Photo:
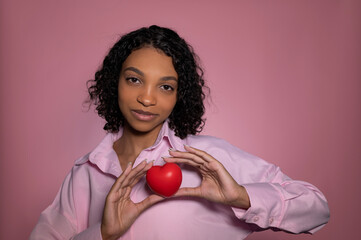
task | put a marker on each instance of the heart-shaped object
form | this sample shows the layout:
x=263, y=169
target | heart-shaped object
x=164, y=180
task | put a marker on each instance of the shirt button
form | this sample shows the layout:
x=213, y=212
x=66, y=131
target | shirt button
x=270, y=220
x=255, y=219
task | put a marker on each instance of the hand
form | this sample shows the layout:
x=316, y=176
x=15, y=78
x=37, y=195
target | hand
x=120, y=211
x=217, y=184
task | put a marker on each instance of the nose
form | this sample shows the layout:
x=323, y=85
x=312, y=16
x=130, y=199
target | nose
x=147, y=98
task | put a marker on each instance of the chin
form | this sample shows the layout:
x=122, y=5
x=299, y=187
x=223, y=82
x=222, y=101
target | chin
x=145, y=127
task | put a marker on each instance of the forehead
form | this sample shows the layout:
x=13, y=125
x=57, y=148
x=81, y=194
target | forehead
x=150, y=59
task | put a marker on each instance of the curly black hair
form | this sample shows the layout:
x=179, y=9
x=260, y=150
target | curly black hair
x=186, y=117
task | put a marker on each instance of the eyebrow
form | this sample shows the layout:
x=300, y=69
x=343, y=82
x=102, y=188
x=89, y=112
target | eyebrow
x=136, y=70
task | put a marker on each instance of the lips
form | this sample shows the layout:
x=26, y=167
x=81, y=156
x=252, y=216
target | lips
x=144, y=115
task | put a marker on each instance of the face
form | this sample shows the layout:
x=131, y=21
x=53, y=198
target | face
x=147, y=90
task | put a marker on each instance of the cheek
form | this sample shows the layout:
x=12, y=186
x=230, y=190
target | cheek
x=171, y=103
x=124, y=94
x=123, y=99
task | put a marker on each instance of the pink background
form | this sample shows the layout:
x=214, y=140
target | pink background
x=285, y=79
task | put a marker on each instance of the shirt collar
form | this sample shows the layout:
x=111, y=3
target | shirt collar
x=104, y=152
x=167, y=133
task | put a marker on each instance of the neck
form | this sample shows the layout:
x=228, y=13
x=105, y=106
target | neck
x=132, y=142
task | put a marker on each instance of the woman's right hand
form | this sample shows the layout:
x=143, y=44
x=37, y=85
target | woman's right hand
x=120, y=211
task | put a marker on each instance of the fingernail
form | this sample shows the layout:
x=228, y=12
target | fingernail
x=186, y=145
x=171, y=150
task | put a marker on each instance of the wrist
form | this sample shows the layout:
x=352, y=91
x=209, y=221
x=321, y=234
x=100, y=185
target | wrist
x=105, y=235
x=243, y=200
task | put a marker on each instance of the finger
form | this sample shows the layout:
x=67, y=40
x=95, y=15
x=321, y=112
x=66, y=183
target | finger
x=136, y=178
x=124, y=192
x=187, y=155
x=138, y=173
x=182, y=160
x=191, y=192
x=133, y=174
x=121, y=178
x=149, y=201
x=202, y=154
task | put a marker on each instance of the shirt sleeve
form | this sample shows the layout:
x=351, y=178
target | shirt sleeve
x=282, y=203
x=59, y=220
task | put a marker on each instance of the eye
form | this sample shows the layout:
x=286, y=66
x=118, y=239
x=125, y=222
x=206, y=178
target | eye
x=167, y=88
x=133, y=80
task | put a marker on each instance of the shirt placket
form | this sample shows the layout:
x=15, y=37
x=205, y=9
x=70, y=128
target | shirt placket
x=144, y=155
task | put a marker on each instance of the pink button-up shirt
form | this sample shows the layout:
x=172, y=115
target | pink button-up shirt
x=276, y=200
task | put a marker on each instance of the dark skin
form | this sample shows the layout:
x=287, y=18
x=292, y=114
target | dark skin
x=129, y=146
x=147, y=95
x=217, y=186
x=120, y=211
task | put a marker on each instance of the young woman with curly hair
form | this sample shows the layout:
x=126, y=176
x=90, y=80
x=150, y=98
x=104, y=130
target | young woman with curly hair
x=150, y=92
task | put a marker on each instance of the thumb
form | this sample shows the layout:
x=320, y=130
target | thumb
x=188, y=191
x=149, y=201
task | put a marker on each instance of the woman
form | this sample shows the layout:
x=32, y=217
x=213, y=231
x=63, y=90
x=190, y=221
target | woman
x=150, y=92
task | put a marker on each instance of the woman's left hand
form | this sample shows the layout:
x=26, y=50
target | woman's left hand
x=217, y=184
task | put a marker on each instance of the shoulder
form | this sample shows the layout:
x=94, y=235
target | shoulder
x=86, y=176
x=82, y=160
x=80, y=169
x=102, y=157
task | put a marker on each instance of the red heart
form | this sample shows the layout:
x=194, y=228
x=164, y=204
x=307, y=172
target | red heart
x=164, y=180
